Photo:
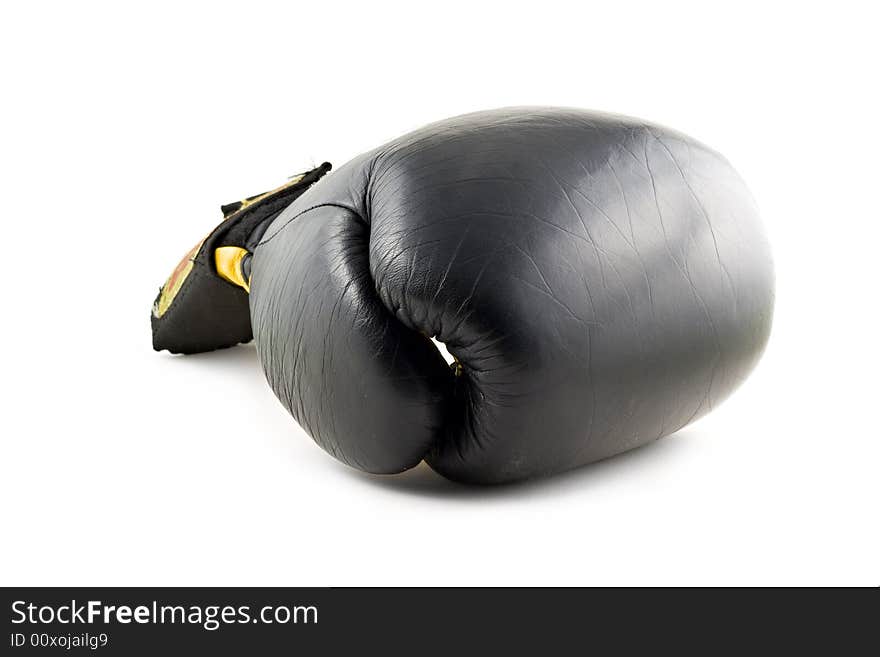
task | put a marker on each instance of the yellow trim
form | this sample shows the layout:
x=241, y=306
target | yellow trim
x=228, y=261
x=250, y=201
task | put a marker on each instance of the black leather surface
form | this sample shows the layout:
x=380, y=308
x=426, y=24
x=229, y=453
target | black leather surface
x=603, y=282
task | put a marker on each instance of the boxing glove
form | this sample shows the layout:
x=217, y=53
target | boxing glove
x=600, y=282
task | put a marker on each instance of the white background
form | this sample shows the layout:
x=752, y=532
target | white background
x=123, y=130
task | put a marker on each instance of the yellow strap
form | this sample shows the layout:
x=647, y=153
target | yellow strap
x=228, y=262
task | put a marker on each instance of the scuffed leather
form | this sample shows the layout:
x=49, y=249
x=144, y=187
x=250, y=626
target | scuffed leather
x=603, y=282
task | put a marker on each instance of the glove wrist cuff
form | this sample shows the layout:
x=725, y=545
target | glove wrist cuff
x=203, y=304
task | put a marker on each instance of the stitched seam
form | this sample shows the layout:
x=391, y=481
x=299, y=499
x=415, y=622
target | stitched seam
x=314, y=207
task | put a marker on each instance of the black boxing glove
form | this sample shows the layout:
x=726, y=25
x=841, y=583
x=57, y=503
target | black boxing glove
x=600, y=281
